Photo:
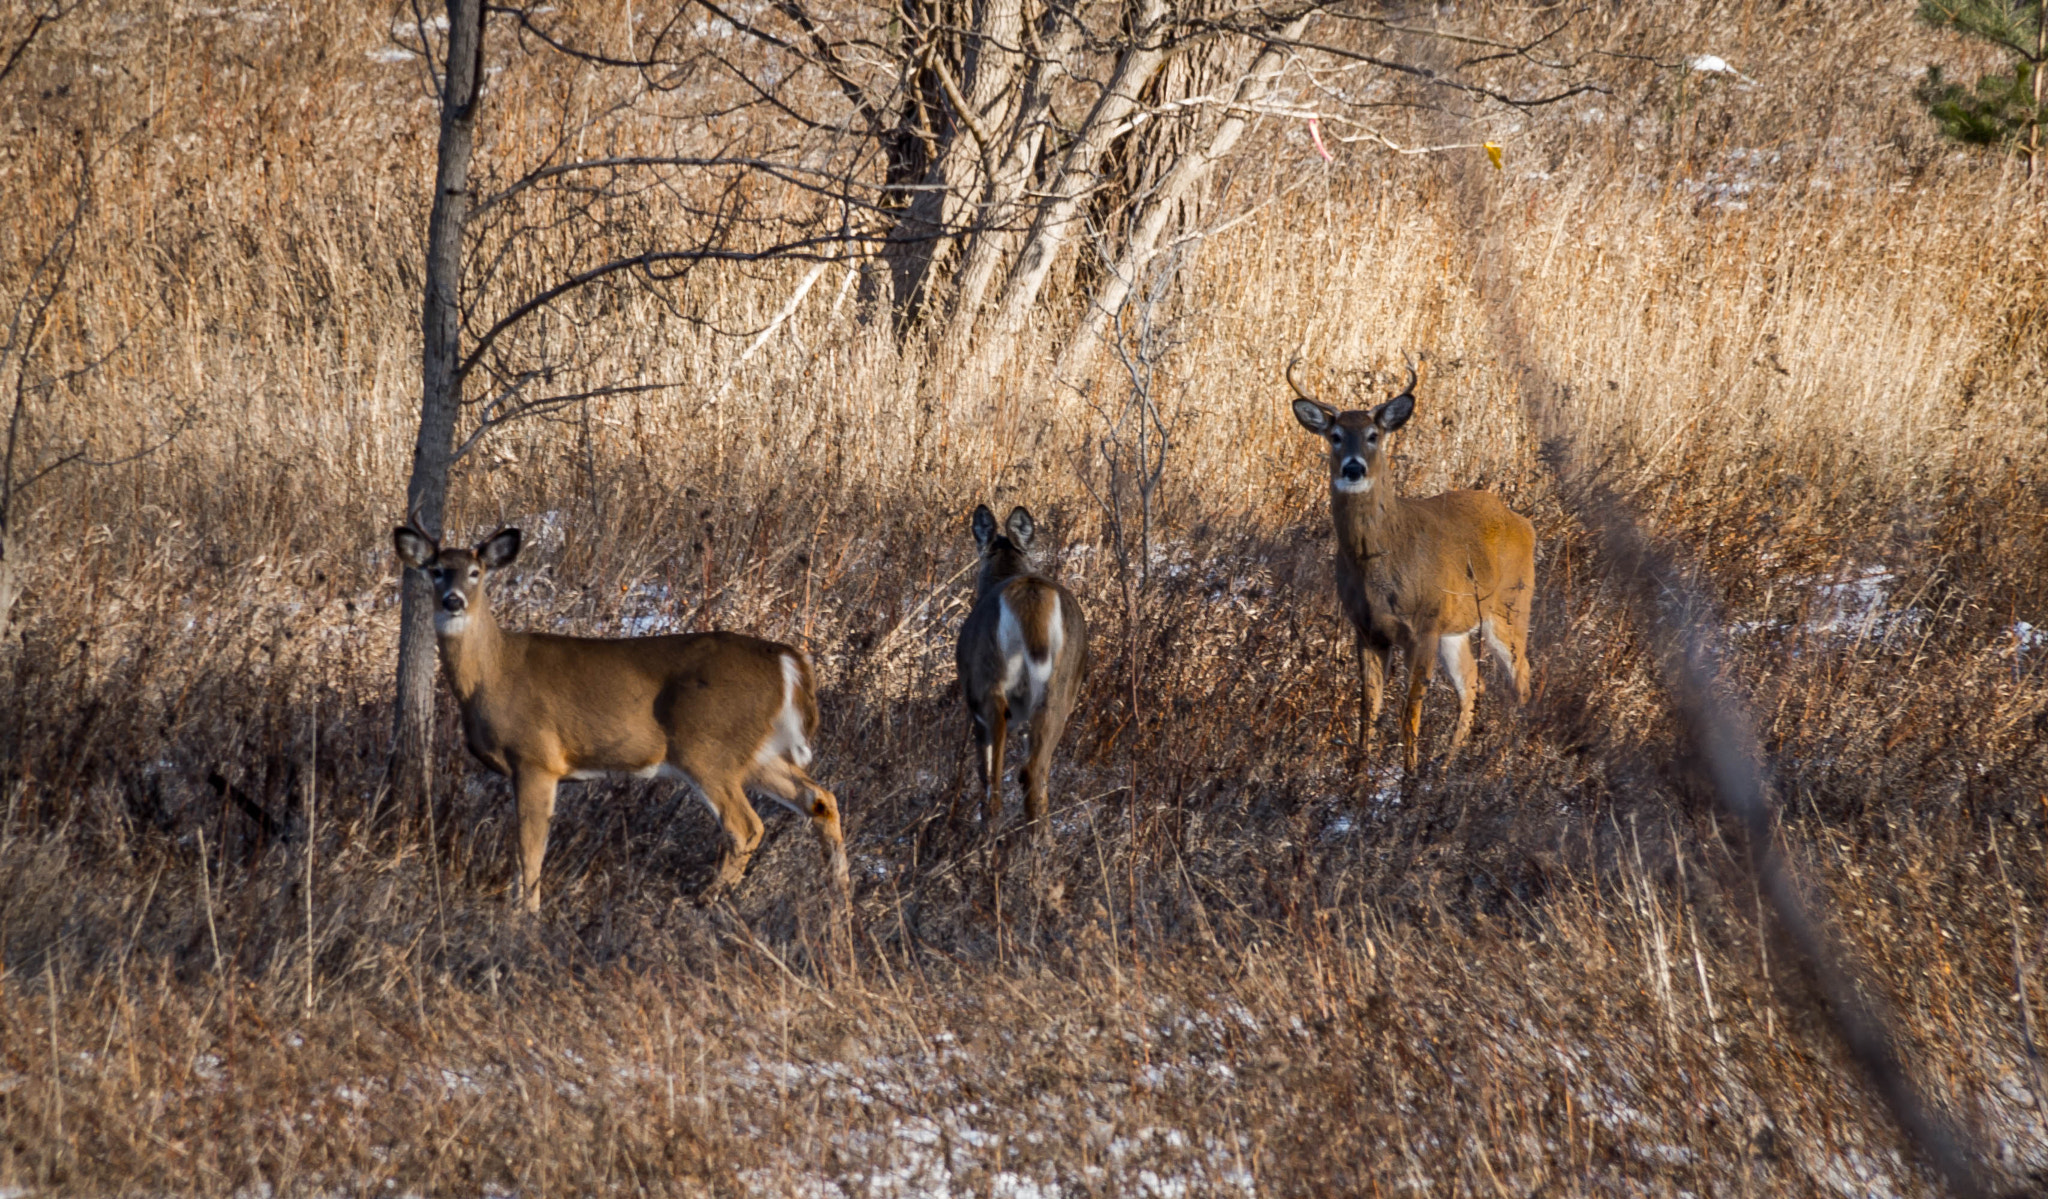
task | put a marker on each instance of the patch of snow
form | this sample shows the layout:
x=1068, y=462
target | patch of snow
x=407, y=29
x=1854, y=604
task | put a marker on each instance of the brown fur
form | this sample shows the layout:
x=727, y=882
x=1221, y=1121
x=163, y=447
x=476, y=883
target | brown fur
x=538, y=707
x=1037, y=605
x=1420, y=574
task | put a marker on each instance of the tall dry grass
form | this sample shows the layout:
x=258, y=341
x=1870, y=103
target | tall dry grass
x=1804, y=336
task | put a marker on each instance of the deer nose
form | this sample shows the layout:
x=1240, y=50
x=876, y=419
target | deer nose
x=1354, y=470
x=454, y=601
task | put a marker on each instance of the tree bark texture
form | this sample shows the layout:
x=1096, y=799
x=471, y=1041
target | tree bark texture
x=1168, y=201
x=923, y=240
x=994, y=238
x=1079, y=173
x=426, y=492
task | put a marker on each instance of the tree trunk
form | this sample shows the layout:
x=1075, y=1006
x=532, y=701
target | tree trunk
x=923, y=240
x=13, y=560
x=1166, y=201
x=1078, y=175
x=2040, y=61
x=993, y=238
x=426, y=492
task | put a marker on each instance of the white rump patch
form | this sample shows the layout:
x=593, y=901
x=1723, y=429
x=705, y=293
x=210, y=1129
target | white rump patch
x=1018, y=664
x=786, y=738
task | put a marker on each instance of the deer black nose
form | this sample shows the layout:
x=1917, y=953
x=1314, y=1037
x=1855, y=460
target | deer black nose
x=1354, y=470
x=454, y=601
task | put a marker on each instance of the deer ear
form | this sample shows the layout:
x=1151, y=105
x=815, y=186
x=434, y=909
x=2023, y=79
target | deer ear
x=499, y=549
x=1313, y=416
x=1395, y=412
x=1020, y=527
x=984, y=526
x=415, y=548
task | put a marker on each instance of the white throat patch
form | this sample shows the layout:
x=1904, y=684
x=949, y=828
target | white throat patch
x=450, y=624
x=1350, y=487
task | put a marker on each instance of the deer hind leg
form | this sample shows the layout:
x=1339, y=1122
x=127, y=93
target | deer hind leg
x=1421, y=664
x=1509, y=654
x=1463, y=669
x=535, y=790
x=1047, y=724
x=796, y=790
x=991, y=726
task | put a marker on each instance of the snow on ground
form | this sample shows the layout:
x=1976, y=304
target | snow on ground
x=1855, y=603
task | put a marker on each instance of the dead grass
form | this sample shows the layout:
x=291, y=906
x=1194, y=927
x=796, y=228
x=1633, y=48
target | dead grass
x=1806, y=338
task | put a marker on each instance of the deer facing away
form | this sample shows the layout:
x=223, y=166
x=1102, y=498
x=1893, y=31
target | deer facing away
x=1022, y=656
x=1420, y=574
x=721, y=710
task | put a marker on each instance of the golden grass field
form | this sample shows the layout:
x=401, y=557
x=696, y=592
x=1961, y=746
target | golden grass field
x=1803, y=336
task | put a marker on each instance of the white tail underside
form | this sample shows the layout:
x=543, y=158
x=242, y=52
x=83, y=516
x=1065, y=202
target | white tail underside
x=1019, y=666
x=786, y=738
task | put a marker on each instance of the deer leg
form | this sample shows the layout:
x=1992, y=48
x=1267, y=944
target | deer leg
x=1046, y=726
x=995, y=727
x=1518, y=626
x=742, y=827
x=1421, y=663
x=796, y=790
x=535, y=790
x=1463, y=669
x=1372, y=677
x=1508, y=651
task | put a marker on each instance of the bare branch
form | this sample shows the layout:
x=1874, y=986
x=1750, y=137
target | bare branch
x=554, y=403
x=787, y=172
x=802, y=250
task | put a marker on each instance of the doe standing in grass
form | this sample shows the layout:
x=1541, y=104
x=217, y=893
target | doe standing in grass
x=1420, y=574
x=1022, y=656
x=721, y=710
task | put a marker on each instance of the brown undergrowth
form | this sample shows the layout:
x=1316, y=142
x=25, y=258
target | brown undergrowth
x=1247, y=958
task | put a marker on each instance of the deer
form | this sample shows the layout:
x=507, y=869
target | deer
x=719, y=710
x=1422, y=575
x=1022, y=657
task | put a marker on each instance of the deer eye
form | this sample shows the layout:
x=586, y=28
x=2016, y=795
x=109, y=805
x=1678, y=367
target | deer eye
x=474, y=574
x=1335, y=438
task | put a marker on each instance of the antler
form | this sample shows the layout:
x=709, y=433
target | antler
x=1291, y=364
x=1408, y=388
x=412, y=519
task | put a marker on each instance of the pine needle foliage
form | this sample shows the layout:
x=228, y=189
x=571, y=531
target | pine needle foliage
x=2003, y=108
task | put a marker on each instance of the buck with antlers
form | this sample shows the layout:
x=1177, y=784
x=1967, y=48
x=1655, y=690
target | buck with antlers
x=1022, y=655
x=1420, y=574
x=721, y=710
